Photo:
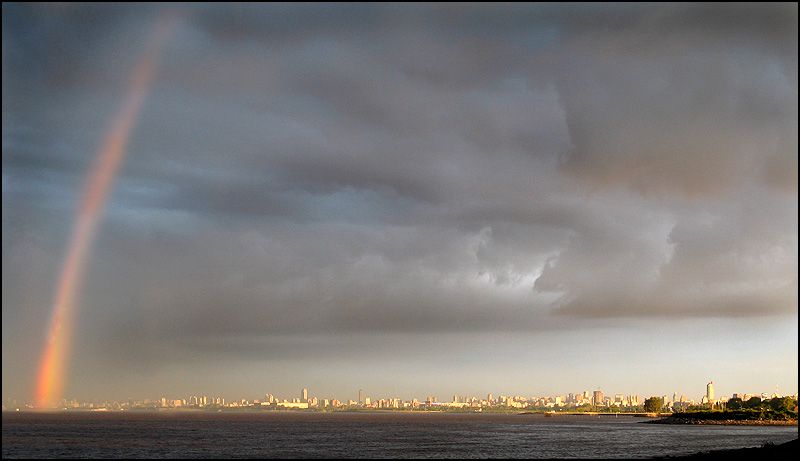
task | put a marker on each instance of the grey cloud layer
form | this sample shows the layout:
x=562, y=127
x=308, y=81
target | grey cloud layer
x=386, y=169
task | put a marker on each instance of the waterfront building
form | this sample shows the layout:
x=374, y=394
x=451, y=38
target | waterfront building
x=293, y=404
x=597, y=398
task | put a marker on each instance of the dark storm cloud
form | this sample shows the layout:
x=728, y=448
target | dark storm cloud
x=350, y=169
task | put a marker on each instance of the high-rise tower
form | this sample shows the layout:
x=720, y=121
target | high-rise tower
x=597, y=398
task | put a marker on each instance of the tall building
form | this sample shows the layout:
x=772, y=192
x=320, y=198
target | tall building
x=710, y=391
x=360, y=396
x=304, y=395
x=597, y=398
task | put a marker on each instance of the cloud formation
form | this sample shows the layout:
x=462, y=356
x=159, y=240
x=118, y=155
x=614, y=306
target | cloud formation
x=344, y=170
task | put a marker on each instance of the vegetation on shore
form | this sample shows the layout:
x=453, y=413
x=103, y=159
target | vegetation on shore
x=754, y=409
x=778, y=410
x=734, y=415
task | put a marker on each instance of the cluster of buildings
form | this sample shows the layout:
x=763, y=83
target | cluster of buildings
x=711, y=399
x=304, y=401
x=586, y=400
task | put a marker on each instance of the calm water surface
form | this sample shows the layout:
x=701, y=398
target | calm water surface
x=363, y=435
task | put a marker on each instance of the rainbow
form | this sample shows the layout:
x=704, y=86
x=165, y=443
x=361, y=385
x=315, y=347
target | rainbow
x=50, y=379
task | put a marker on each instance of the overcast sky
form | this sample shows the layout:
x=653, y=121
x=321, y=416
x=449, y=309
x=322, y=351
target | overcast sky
x=411, y=200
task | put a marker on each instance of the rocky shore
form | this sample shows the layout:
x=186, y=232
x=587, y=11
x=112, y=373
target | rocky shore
x=723, y=422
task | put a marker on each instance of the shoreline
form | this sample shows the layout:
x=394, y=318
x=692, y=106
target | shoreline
x=786, y=450
x=722, y=422
x=650, y=419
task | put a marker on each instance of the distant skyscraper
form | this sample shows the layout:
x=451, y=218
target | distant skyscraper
x=597, y=398
x=710, y=391
x=304, y=395
x=360, y=396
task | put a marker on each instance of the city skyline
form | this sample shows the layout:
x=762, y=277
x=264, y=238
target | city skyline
x=362, y=397
x=595, y=397
x=405, y=199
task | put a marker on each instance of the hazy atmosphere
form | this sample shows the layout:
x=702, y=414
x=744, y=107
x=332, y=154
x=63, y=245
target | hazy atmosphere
x=408, y=199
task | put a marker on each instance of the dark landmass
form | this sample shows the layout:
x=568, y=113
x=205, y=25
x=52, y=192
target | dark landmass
x=786, y=450
x=733, y=417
